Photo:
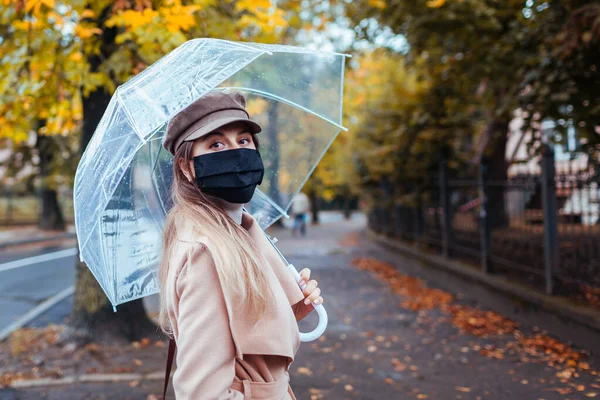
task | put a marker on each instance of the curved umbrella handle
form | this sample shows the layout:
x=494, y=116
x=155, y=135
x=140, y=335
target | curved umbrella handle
x=322, y=325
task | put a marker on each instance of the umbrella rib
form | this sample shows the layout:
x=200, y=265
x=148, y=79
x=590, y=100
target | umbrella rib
x=342, y=87
x=271, y=202
x=132, y=122
x=283, y=100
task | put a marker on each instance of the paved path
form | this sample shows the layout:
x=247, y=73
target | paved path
x=376, y=349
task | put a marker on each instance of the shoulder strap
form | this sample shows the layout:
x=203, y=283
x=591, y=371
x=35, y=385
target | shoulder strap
x=170, y=357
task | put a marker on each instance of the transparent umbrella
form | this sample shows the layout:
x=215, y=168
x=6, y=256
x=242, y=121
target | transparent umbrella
x=122, y=184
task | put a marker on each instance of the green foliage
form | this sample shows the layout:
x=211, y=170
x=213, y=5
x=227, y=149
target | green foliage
x=481, y=60
x=564, y=84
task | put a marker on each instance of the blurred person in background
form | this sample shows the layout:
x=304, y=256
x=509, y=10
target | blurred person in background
x=300, y=208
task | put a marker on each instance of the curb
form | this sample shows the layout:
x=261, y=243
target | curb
x=556, y=305
x=21, y=242
x=87, y=378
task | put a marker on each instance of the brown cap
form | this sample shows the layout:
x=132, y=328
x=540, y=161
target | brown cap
x=208, y=113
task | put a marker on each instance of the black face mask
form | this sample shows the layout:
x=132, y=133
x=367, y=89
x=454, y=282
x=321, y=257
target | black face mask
x=231, y=175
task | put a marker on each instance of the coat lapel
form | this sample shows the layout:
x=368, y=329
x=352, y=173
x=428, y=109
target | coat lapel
x=288, y=283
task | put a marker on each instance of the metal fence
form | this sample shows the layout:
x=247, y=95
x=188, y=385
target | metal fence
x=542, y=228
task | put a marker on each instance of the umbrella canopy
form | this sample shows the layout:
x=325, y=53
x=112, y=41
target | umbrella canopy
x=122, y=184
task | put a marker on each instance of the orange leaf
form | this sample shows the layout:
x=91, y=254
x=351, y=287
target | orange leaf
x=304, y=371
x=462, y=389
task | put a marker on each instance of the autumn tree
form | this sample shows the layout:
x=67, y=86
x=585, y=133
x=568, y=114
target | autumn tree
x=564, y=84
x=37, y=94
x=76, y=54
x=476, y=54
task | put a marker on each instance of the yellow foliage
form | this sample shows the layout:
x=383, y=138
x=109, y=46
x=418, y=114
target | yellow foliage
x=268, y=21
x=34, y=6
x=179, y=18
x=26, y=25
x=377, y=3
x=256, y=106
x=77, y=56
x=253, y=5
x=132, y=19
x=87, y=13
x=58, y=65
x=435, y=3
x=86, y=32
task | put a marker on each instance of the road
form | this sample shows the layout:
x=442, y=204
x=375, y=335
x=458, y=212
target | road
x=28, y=278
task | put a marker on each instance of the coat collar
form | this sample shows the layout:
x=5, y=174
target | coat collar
x=288, y=283
x=276, y=333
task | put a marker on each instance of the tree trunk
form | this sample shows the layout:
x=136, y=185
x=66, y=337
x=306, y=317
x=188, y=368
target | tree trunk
x=497, y=172
x=314, y=206
x=273, y=161
x=92, y=316
x=347, y=207
x=51, y=217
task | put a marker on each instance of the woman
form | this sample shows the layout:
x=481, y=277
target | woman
x=226, y=297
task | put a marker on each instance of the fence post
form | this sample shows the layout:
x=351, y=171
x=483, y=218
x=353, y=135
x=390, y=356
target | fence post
x=388, y=206
x=445, y=204
x=418, y=217
x=550, y=211
x=484, y=221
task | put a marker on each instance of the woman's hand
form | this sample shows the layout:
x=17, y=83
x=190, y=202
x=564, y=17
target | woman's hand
x=311, y=292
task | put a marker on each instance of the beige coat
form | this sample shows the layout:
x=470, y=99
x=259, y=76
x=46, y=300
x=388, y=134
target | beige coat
x=221, y=354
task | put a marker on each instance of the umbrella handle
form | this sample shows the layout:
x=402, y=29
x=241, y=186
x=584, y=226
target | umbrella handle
x=318, y=331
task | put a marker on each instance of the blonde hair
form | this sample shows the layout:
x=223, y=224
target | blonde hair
x=237, y=259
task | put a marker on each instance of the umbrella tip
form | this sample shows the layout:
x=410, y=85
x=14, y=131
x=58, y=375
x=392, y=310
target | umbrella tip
x=114, y=308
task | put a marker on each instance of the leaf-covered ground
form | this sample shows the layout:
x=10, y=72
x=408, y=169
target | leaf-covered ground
x=390, y=336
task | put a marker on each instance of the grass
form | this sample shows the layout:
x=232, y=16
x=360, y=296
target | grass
x=26, y=209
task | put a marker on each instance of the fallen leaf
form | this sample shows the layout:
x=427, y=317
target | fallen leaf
x=566, y=374
x=92, y=348
x=349, y=388
x=591, y=394
x=462, y=389
x=304, y=371
x=137, y=362
x=561, y=390
x=398, y=366
x=389, y=380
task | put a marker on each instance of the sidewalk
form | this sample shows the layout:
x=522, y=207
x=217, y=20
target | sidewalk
x=11, y=236
x=394, y=333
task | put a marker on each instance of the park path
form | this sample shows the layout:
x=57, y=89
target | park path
x=393, y=336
